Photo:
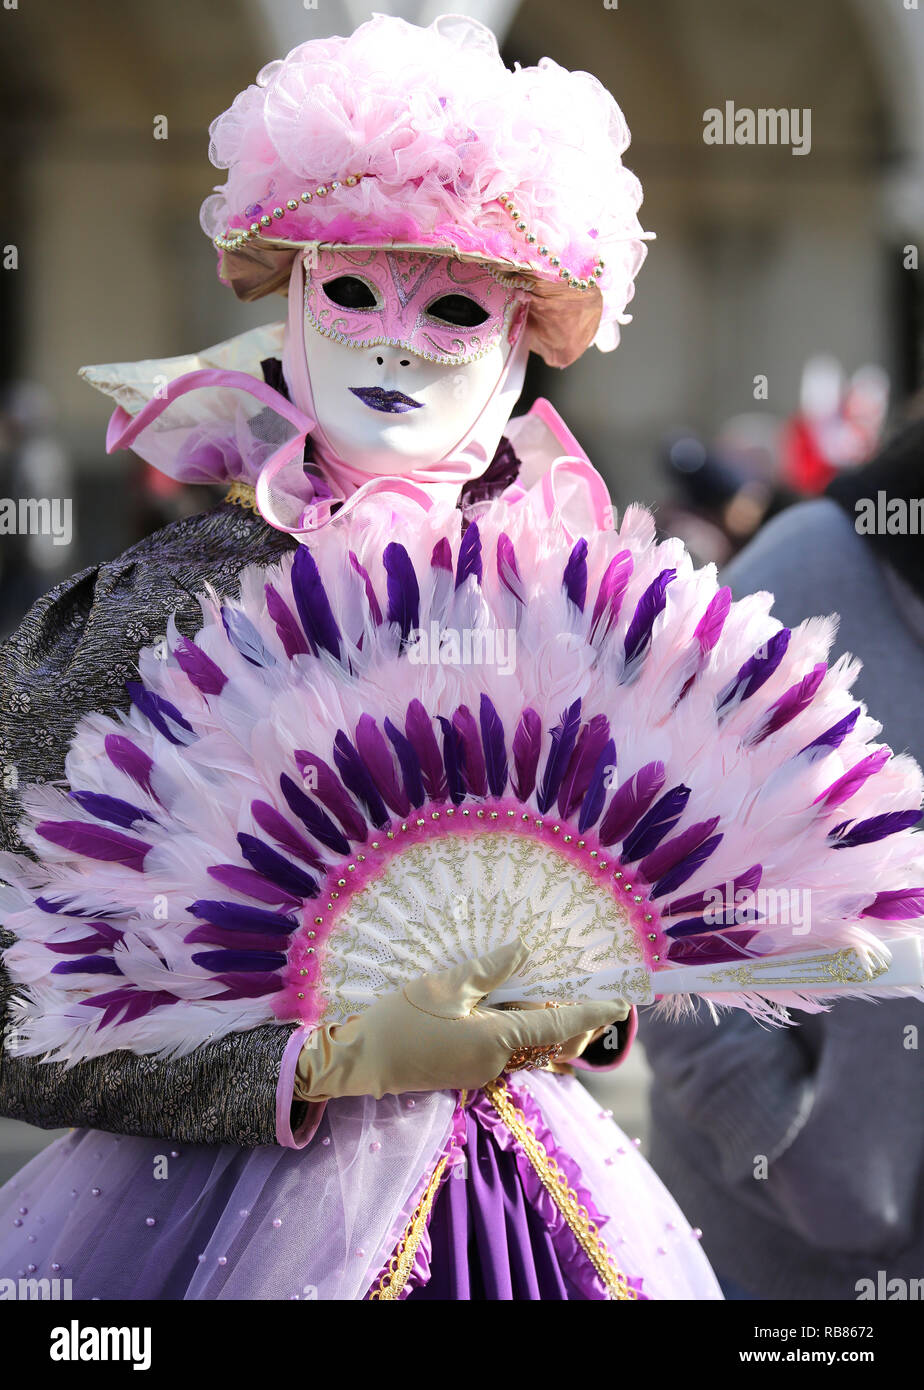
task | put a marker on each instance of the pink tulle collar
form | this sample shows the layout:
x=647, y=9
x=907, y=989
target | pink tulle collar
x=218, y=425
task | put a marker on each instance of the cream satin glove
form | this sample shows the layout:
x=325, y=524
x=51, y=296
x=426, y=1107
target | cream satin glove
x=432, y=1036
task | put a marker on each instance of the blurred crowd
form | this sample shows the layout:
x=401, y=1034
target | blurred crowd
x=724, y=489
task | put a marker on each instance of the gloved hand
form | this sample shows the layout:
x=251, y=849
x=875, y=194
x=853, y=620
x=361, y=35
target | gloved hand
x=432, y=1036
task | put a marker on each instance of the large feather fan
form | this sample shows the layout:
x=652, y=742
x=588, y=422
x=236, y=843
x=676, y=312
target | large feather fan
x=417, y=739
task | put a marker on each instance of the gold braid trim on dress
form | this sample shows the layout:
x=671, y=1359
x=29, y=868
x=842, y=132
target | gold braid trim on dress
x=395, y=1276
x=565, y=1198
x=242, y=495
x=392, y=1282
x=398, y=1269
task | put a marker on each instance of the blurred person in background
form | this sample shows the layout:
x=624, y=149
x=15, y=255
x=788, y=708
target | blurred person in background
x=838, y=425
x=796, y=1149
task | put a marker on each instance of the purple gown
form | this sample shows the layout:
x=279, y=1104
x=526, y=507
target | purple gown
x=410, y=1197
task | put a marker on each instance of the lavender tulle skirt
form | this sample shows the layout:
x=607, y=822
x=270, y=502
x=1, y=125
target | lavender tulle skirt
x=127, y=1218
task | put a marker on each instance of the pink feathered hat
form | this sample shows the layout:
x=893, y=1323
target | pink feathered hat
x=422, y=139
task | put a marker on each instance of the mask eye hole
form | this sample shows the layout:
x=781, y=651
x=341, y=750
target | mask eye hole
x=459, y=310
x=350, y=292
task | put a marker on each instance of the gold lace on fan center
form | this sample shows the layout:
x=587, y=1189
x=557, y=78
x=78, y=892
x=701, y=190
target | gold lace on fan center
x=426, y=910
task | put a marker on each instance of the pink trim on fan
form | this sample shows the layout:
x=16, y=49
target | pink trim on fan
x=298, y=997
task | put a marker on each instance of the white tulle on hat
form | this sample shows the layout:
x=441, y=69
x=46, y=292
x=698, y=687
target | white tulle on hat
x=400, y=135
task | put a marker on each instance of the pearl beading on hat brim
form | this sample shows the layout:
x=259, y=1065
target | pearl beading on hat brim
x=574, y=281
x=240, y=237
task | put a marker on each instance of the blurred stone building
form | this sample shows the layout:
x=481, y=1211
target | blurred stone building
x=762, y=256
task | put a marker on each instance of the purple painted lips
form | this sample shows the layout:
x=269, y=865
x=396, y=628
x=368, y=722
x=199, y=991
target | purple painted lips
x=393, y=402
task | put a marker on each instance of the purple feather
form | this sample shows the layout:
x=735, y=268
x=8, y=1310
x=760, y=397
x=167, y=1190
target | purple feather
x=379, y=763
x=290, y=634
x=716, y=922
x=471, y=752
x=209, y=935
x=316, y=821
x=128, y=1001
x=574, y=580
x=251, y=884
x=687, y=866
x=158, y=710
x=324, y=784
x=230, y=962
x=591, y=740
x=97, y=940
x=711, y=950
x=648, y=608
x=675, y=850
x=563, y=738
x=311, y=601
x=452, y=761
x=201, y=670
x=610, y=595
x=419, y=729
x=697, y=902
x=896, y=904
x=709, y=628
x=245, y=638
x=274, y=866
x=495, y=748
x=239, y=917
x=791, y=704
x=355, y=776
x=441, y=555
x=831, y=738
x=409, y=763
x=127, y=757
x=595, y=795
x=63, y=905
x=527, y=742
x=631, y=801
x=247, y=986
x=403, y=589
x=95, y=842
x=854, y=778
x=756, y=671
x=655, y=824
x=469, y=556
x=507, y=571
x=866, y=832
x=273, y=823
x=110, y=808
x=88, y=965
x=707, y=633
x=371, y=599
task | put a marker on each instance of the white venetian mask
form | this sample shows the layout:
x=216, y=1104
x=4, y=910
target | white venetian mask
x=404, y=352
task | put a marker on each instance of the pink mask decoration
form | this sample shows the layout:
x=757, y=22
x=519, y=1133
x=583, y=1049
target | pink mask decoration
x=439, y=308
x=444, y=476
